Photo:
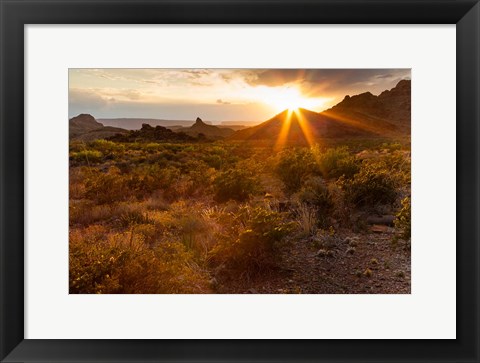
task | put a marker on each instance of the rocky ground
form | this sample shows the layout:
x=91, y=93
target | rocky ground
x=367, y=263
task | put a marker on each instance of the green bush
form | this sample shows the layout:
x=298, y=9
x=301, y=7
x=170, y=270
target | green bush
x=337, y=162
x=256, y=245
x=372, y=185
x=403, y=220
x=235, y=184
x=109, y=149
x=315, y=193
x=86, y=156
x=294, y=167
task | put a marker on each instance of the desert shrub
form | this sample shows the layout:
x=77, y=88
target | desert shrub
x=254, y=248
x=337, y=162
x=124, y=264
x=403, y=220
x=156, y=202
x=106, y=187
x=293, y=167
x=391, y=146
x=198, y=178
x=315, y=193
x=235, y=184
x=148, y=178
x=372, y=185
x=86, y=212
x=399, y=164
x=152, y=147
x=134, y=217
x=109, y=149
x=191, y=228
x=86, y=156
x=306, y=218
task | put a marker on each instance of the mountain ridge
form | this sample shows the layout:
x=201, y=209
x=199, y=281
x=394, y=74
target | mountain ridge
x=364, y=115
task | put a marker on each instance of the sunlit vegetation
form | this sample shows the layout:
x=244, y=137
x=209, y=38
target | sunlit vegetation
x=188, y=217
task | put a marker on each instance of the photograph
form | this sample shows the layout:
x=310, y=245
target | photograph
x=239, y=181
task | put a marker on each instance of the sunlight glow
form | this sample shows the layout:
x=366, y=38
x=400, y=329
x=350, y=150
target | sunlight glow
x=281, y=98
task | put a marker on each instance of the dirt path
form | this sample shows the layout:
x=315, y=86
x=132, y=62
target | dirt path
x=353, y=264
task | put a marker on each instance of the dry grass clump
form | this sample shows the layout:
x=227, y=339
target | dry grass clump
x=109, y=263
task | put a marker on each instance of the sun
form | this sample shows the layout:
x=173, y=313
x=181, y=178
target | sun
x=281, y=98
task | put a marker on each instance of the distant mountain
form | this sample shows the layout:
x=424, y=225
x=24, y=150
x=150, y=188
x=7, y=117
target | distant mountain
x=136, y=123
x=86, y=128
x=208, y=131
x=360, y=116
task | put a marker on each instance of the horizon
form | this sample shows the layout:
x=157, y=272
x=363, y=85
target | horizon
x=218, y=95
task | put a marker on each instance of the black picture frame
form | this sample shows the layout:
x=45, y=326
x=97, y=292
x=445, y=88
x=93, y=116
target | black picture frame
x=15, y=14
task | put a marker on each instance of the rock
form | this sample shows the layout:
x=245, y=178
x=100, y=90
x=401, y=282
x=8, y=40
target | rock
x=321, y=253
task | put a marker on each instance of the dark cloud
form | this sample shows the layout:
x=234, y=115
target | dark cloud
x=222, y=102
x=315, y=82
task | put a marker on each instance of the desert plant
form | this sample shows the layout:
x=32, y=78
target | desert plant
x=236, y=184
x=261, y=232
x=403, y=220
x=294, y=167
x=372, y=185
x=86, y=157
x=306, y=218
x=315, y=193
x=336, y=162
x=116, y=264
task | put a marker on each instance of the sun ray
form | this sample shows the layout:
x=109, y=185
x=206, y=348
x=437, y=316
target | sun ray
x=352, y=122
x=305, y=127
x=282, y=137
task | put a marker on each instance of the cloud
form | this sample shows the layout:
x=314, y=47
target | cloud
x=221, y=102
x=315, y=82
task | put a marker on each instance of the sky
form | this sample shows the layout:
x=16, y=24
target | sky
x=218, y=94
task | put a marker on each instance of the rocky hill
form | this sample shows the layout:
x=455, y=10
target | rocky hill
x=85, y=127
x=152, y=134
x=391, y=107
x=209, y=131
